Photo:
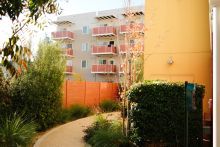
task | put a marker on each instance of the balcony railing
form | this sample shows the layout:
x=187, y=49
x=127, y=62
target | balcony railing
x=69, y=69
x=103, y=68
x=104, y=31
x=104, y=50
x=68, y=52
x=62, y=35
x=134, y=48
x=136, y=27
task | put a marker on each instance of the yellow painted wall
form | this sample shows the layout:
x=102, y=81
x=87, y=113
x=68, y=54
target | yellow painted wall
x=178, y=29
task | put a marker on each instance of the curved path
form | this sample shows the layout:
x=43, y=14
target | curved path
x=71, y=134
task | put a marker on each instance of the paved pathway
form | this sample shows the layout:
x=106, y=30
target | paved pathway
x=70, y=134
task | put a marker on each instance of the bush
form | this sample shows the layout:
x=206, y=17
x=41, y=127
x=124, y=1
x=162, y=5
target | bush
x=5, y=98
x=15, y=131
x=37, y=92
x=74, y=112
x=106, y=133
x=109, y=106
x=158, y=113
x=79, y=111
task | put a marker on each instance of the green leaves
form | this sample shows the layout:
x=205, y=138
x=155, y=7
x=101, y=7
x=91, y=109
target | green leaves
x=12, y=53
x=159, y=113
x=37, y=91
x=16, y=131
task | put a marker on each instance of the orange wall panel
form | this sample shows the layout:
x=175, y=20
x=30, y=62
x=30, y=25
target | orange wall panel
x=105, y=91
x=92, y=93
x=88, y=93
x=75, y=93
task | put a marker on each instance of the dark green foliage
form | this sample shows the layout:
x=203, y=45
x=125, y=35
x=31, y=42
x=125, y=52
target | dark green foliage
x=109, y=106
x=16, y=131
x=5, y=100
x=74, y=112
x=64, y=116
x=158, y=113
x=79, y=111
x=38, y=91
x=104, y=133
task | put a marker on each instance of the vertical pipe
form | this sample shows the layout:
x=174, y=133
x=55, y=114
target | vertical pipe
x=186, y=111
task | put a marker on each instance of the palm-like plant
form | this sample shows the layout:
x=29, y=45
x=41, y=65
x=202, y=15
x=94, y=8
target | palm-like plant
x=15, y=131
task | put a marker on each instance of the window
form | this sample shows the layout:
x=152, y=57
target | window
x=111, y=62
x=102, y=61
x=69, y=45
x=102, y=43
x=84, y=64
x=132, y=42
x=69, y=63
x=85, y=29
x=85, y=47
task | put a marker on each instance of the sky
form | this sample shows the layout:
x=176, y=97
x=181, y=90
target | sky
x=81, y=6
x=68, y=7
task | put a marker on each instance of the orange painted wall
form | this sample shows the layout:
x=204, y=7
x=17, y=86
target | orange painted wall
x=178, y=30
x=88, y=93
x=92, y=93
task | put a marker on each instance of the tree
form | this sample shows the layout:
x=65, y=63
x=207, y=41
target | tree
x=22, y=13
x=38, y=91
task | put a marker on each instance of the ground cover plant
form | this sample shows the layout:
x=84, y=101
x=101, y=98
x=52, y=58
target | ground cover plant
x=109, y=106
x=74, y=112
x=106, y=133
x=16, y=131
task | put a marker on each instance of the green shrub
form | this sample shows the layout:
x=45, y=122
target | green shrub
x=74, y=112
x=5, y=97
x=64, y=116
x=38, y=91
x=158, y=113
x=15, y=131
x=79, y=111
x=109, y=106
x=106, y=133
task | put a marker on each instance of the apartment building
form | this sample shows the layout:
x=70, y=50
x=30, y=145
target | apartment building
x=95, y=43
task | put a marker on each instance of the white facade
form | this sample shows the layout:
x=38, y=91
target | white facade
x=85, y=40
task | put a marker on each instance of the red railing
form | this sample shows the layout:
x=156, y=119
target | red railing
x=104, y=30
x=68, y=52
x=69, y=69
x=138, y=27
x=134, y=48
x=123, y=48
x=103, y=68
x=104, y=50
x=63, y=35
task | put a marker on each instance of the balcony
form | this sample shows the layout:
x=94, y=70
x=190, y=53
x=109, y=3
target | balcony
x=104, y=31
x=123, y=48
x=68, y=52
x=134, y=48
x=132, y=28
x=62, y=35
x=104, y=50
x=103, y=69
x=69, y=70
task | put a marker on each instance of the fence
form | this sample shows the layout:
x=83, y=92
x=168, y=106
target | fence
x=88, y=93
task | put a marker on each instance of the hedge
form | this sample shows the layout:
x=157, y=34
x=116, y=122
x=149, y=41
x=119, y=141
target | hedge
x=158, y=114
